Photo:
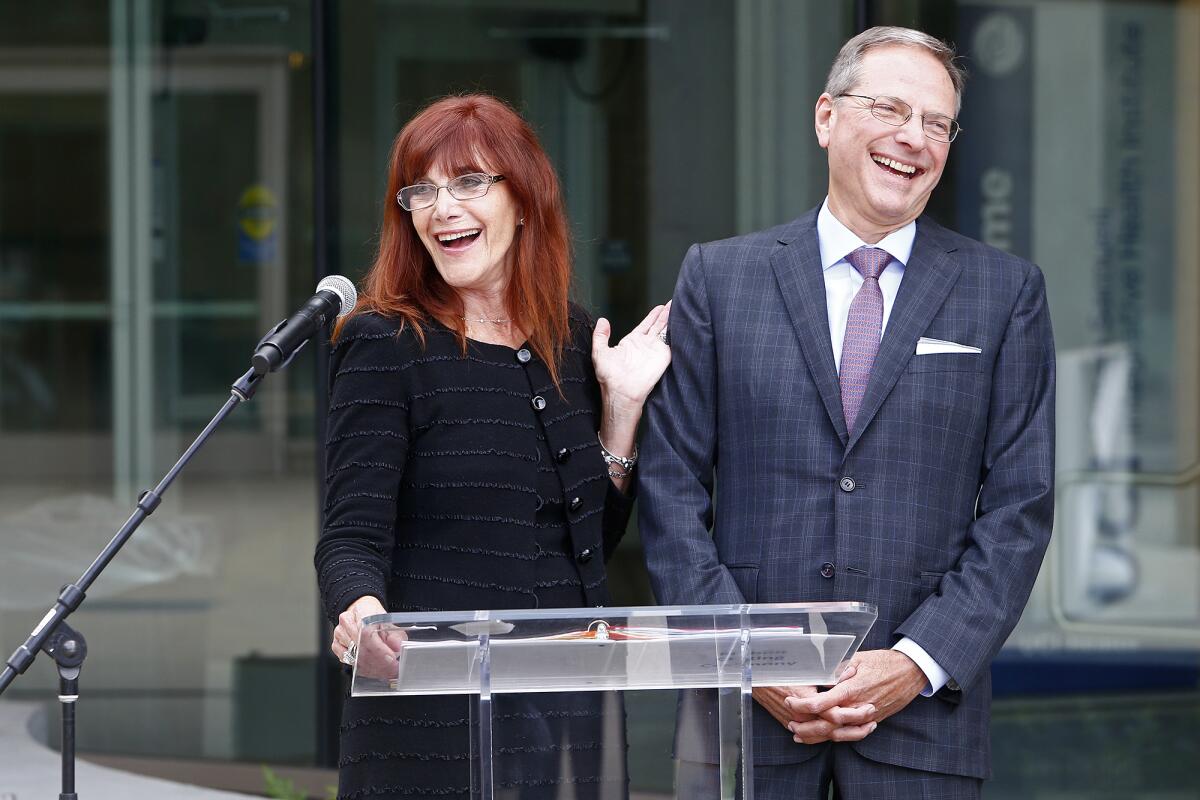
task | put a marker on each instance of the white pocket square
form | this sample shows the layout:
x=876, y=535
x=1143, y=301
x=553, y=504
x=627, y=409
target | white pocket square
x=926, y=347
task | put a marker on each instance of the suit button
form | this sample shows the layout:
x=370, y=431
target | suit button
x=585, y=555
x=538, y=402
x=846, y=484
x=563, y=456
x=827, y=570
x=523, y=355
x=575, y=504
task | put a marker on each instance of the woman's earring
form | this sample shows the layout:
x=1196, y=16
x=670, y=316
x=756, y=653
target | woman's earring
x=520, y=222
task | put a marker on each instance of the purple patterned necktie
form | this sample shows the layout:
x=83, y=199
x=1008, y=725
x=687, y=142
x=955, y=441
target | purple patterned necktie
x=864, y=327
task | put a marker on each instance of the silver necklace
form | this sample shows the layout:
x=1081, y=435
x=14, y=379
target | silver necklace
x=492, y=320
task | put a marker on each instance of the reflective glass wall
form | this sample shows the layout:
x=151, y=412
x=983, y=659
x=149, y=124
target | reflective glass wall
x=156, y=203
x=155, y=220
x=1083, y=154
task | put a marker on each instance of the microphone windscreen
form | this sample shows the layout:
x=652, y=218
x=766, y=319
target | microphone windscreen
x=344, y=288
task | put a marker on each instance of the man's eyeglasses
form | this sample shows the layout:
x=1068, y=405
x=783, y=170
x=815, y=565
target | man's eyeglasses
x=895, y=111
x=464, y=187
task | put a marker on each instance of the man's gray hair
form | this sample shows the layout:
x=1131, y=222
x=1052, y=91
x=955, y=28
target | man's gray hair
x=847, y=67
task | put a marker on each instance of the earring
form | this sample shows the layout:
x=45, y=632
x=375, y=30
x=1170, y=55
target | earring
x=520, y=222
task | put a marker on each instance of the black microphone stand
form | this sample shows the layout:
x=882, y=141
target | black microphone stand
x=64, y=644
x=68, y=649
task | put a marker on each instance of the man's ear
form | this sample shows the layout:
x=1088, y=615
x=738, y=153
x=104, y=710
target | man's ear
x=823, y=118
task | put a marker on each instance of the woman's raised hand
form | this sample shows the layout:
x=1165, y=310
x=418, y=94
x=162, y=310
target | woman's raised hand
x=628, y=372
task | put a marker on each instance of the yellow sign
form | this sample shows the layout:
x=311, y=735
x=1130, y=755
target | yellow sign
x=256, y=212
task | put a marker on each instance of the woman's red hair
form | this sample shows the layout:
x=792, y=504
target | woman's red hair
x=457, y=135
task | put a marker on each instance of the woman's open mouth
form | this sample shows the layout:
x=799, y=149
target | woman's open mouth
x=458, y=240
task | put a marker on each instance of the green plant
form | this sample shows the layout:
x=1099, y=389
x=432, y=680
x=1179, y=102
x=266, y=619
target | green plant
x=281, y=788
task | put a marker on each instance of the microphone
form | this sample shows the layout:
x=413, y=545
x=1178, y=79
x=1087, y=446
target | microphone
x=335, y=296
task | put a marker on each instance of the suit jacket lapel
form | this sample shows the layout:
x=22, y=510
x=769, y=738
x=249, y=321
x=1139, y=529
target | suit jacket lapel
x=797, y=266
x=928, y=278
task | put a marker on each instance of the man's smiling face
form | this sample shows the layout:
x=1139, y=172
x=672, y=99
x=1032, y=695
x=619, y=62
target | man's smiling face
x=881, y=175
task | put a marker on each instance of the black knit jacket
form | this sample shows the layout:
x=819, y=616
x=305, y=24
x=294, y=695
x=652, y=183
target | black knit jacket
x=432, y=465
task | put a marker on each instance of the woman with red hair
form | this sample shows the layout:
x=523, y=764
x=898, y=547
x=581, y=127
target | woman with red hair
x=480, y=447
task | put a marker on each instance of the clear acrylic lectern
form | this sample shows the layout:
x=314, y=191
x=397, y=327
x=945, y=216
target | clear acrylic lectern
x=573, y=650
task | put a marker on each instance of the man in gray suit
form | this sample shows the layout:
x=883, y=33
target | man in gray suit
x=860, y=407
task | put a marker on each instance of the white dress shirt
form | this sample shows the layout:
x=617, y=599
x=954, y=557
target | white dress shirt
x=842, y=282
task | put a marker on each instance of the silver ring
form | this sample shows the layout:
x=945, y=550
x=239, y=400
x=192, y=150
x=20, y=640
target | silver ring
x=350, y=656
x=662, y=335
